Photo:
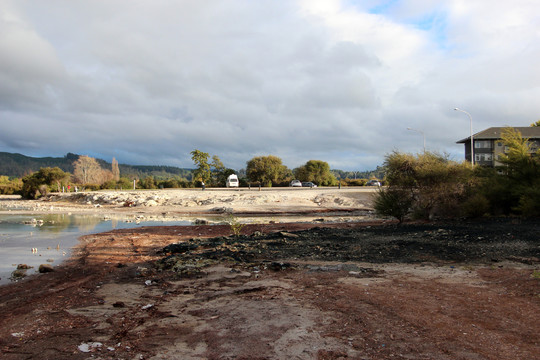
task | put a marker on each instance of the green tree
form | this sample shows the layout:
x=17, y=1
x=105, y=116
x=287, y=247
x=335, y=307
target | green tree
x=216, y=164
x=218, y=171
x=42, y=181
x=317, y=171
x=267, y=170
x=515, y=187
x=536, y=123
x=213, y=173
x=518, y=164
x=203, y=172
x=222, y=176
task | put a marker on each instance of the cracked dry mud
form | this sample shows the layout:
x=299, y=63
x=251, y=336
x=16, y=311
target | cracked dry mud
x=286, y=291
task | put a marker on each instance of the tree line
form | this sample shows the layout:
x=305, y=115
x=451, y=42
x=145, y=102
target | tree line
x=261, y=170
x=88, y=173
x=430, y=186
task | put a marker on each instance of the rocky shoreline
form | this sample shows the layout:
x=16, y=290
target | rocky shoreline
x=186, y=201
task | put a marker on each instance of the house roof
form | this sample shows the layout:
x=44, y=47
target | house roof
x=494, y=133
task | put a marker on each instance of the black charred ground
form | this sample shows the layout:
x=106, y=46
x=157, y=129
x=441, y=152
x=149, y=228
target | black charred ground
x=484, y=241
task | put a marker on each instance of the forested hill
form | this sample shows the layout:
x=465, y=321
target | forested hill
x=18, y=165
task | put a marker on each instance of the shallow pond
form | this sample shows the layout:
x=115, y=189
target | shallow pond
x=48, y=239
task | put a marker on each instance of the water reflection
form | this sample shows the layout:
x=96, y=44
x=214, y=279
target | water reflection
x=35, y=240
x=57, y=223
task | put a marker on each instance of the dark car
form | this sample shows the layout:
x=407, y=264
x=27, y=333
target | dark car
x=308, y=184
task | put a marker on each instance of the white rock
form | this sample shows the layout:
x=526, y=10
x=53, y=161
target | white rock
x=87, y=347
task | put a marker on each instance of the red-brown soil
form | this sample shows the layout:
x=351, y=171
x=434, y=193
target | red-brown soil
x=355, y=291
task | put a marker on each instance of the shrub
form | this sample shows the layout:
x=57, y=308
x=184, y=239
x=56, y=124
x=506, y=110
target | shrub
x=49, y=177
x=10, y=187
x=147, y=183
x=173, y=183
x=111, y=184
x=497, y=190
x=433, y=185
x=125, y=183
x=90, y=187
x=356, y=182
x=393, y=202
x=529, y=203
x=475, y=206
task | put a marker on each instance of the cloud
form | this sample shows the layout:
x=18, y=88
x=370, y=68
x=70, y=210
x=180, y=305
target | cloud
x=28, y=64
x=335, y=80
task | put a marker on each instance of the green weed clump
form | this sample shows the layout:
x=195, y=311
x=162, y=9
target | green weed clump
x=236, y=226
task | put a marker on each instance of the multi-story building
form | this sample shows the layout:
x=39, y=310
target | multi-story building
x=488, y=146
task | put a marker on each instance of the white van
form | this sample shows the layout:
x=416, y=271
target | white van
x=232, y=181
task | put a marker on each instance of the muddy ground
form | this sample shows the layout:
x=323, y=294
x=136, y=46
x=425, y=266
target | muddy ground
x=464, y=290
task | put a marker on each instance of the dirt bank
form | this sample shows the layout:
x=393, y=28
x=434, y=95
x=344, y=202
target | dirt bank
x=282, y=291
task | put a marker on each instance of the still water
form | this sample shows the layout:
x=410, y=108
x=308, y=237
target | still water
x=48, y=239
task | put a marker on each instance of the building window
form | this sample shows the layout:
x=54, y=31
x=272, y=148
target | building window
x=482, y=144
x=483, y=157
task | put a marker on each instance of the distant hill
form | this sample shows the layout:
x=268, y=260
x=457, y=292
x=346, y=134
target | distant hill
x=18, y=165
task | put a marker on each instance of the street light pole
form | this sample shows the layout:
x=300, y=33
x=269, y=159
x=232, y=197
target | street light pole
x=423, y=135
x=472, y=142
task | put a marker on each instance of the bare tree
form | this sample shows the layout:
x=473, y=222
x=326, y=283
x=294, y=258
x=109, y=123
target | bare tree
x=87, y=170
x=106, y=175
x=115, y=170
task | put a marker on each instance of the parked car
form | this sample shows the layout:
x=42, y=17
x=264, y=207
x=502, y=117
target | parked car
x=373, y=183
x=308, y=184
x=295, y=183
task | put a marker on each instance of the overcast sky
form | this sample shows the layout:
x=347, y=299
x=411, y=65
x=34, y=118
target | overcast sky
x=147, y=81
